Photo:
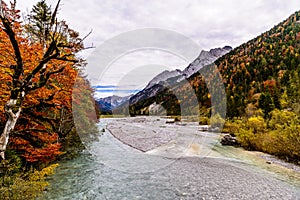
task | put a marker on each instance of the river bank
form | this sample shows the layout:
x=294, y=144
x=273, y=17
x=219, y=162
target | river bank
x=185, y=139
x=109, y=169
x=149, y=133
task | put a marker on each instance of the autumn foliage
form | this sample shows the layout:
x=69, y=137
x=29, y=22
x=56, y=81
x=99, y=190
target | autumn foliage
x=46, y=119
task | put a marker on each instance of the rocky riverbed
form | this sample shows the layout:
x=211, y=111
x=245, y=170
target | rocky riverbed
x=169, y=161
x=142, y=133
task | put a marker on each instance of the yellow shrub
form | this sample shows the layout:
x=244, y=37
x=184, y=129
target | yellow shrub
x=232, y=126
x=203, y=121
x=282, y=139
x=257, y=124
x=246, y=138
x=17, y=187
x=281, y=119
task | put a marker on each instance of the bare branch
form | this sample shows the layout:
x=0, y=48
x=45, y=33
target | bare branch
x=11, y=34
x=46, y=58
x=86, y=35
x=54, y=14
x=86, y=48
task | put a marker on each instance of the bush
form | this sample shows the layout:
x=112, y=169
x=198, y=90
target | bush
x=203, y=120
x=246, y=138
x=282, y=138
x=25, y=186
x=232, y=127
x=280, y=119
x=257, y=124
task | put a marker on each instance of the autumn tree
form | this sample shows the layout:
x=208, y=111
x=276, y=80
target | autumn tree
x=35, y=64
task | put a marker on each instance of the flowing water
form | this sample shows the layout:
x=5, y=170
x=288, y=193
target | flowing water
x=110, y=169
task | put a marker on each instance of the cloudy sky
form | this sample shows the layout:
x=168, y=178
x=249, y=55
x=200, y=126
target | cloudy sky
x=208, y=23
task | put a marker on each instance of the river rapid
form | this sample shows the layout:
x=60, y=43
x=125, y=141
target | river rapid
x=187, y=164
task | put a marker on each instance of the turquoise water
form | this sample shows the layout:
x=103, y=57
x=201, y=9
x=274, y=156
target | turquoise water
x=111, y=170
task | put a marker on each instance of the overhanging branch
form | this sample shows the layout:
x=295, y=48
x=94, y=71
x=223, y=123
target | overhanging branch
x=43, y=79
x=12, y=37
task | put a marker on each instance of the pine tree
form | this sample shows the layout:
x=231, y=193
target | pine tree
x=266, y=104
x=39, y=22
x=276, y=100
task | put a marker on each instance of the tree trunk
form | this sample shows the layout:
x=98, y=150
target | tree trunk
x=10, y=107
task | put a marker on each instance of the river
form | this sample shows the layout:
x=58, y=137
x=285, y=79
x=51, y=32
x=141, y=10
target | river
x=189, y=165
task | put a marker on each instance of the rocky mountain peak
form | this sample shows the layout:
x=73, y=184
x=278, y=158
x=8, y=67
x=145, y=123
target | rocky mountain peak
x=205, y=58
x=217, y=52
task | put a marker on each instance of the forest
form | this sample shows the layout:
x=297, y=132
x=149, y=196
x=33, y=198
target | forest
x=40, y=73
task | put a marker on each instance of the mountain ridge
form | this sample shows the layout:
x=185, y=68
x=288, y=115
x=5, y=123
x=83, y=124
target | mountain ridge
x=156, y=84
x=266, y=64
x=204, y=58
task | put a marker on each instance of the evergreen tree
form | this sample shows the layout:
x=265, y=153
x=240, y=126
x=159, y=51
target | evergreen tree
x=39, y=21
x=276, y=101
x=266, y=104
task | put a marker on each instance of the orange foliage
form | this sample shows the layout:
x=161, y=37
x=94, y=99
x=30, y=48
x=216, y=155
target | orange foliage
x=35, y=133
x=270, y=85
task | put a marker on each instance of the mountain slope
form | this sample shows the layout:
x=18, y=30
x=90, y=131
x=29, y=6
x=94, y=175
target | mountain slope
x=163, y=76
x=107, y=104
x=169, y=79
x=205, y=58
x=268, y=64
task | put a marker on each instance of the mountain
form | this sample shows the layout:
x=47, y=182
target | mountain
x=166, y=79
x=103, y=106
x=165, y=75
x=205, y=58
x=266, y=67
x=107, y=104
x=161, y=81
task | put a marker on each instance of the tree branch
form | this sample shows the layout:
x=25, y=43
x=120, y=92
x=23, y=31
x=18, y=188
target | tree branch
x=66, y=59
x=9, y=31
x=53, y=17
x=43, y=102
x=44, y=78
x=30, y=130
x=86, y=35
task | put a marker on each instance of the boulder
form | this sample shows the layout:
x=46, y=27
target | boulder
x=203, y=128
x=229, y=139
x=170, y=121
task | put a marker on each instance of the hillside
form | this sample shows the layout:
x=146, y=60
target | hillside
x=262, y=84
x=269, y=64
x=266, y=64
x=161, y=88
